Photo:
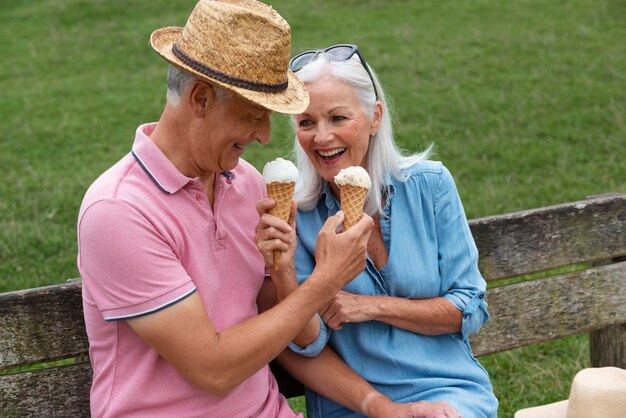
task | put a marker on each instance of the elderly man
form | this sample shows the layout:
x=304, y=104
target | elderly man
x=167, y=252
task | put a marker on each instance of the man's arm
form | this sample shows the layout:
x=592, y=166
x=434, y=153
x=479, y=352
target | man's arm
x=217, y=361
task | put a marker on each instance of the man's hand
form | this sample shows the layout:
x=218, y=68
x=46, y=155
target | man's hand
x=340, y=257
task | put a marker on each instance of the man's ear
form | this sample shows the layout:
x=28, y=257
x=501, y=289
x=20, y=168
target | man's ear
x=200, y=98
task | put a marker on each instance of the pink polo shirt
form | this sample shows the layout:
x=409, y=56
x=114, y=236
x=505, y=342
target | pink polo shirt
x=147, y=239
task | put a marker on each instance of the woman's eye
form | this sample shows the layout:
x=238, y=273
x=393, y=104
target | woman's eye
x=304, y=123
x=338, y=118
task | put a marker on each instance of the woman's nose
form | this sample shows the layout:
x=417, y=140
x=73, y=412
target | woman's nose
x=324, y=134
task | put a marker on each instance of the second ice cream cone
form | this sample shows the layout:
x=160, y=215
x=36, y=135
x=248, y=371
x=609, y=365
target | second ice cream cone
x=354, y=183
x=352, y=199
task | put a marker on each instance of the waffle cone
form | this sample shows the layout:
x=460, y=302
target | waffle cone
x=282, y=193
x=352, y=199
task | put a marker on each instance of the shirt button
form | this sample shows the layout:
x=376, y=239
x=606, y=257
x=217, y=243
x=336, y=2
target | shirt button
x=198, y=197
x=481, y=296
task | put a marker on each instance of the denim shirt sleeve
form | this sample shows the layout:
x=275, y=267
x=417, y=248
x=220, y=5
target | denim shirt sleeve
x=305, y=263
x=316, y=346
x=462, y=282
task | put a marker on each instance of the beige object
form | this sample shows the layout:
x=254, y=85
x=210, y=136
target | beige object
x=352, y=199
x=282, y=193
x=353, y=182
x=240, y=45
x=595, y=393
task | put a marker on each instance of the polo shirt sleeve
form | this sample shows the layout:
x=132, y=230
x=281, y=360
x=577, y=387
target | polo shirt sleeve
x=129, y=267
x=462, y=282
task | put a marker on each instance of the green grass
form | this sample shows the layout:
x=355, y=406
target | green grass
x=525, y=101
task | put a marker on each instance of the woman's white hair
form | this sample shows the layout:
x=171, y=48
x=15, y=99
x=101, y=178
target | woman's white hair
x=384, y=159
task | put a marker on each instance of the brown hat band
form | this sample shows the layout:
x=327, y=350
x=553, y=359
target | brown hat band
x=234, y=81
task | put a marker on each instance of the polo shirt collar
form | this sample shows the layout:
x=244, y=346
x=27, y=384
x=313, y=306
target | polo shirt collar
x=156, y=165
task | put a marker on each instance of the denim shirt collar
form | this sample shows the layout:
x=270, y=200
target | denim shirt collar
x=329, y=200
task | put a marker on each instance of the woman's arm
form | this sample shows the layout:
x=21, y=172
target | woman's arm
x=329, y=376
x=273, y=233
x=425, y=316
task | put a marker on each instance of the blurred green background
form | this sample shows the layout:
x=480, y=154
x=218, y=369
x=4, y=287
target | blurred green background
x=524, y=100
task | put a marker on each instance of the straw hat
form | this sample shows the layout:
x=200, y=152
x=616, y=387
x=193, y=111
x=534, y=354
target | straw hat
x=595, y=393
x=240, y=45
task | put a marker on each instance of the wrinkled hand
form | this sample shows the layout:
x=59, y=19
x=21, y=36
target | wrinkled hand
x=341, y=256
x=347, y=307
x=273, y=233
x=422, y=409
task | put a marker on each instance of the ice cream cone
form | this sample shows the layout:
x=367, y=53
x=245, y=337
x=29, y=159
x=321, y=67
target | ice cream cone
x=354, y=183
x=352, y=199
x=282, y=193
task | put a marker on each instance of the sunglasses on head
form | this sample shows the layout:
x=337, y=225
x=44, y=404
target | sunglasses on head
x=335, y=53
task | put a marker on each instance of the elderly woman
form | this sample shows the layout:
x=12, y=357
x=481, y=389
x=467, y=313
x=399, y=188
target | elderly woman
x=404, y=322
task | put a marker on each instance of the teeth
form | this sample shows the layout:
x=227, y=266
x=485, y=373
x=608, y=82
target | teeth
x=331, y=152
x=239, y=146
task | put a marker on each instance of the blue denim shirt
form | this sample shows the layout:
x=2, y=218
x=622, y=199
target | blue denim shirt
x=431, y=253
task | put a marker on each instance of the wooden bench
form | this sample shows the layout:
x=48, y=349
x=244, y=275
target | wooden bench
x=46, y=324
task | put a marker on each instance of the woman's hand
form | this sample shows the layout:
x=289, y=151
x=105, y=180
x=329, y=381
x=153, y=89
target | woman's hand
x=422, y=409
x=272, y=233
x=433, y=316
x=347, y=307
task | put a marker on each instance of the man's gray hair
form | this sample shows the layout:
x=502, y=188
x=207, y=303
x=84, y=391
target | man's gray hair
x=384, y=159
x=178, y=81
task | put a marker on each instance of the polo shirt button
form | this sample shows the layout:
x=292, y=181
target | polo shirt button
x=481, y=296
x=198, y=197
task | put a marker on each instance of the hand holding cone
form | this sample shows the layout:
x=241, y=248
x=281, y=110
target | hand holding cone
x=280, y=179
x=354, y=183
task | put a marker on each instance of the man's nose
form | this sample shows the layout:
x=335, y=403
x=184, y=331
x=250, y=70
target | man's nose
x=263, y=131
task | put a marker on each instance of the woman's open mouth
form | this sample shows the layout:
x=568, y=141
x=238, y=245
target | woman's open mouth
x=328, y=155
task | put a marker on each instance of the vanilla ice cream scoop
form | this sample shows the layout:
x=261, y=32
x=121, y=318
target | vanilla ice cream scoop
x=353, y=176
x=280, y=171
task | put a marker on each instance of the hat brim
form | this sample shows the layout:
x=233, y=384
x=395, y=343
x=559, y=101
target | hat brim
x=293, y=100
x=552, y=410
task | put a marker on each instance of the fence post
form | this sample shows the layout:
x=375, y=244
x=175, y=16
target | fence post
x=607, y=347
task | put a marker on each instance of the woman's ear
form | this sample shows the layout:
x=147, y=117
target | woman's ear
x=376, y=117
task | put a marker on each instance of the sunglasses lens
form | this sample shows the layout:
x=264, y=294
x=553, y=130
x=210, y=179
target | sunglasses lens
x=340, y=53
x=301, y=60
